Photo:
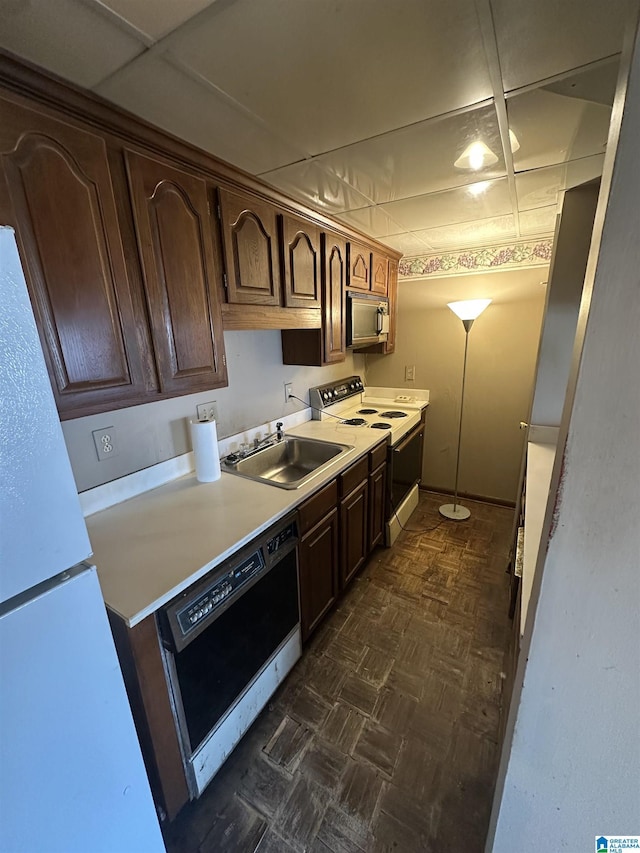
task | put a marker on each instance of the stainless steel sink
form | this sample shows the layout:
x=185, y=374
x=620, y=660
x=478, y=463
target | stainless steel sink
x=287, y=464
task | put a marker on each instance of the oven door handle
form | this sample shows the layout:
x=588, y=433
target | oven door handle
x=418, y=431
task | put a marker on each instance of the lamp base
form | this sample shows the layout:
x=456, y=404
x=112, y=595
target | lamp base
x=455, y=512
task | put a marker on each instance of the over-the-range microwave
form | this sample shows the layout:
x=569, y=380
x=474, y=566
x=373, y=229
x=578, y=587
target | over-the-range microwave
x=367, y=319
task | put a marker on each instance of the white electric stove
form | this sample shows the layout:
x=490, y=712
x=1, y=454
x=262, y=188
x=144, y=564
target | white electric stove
x=396, y=412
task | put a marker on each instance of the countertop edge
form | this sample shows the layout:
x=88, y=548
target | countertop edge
x=107, y=574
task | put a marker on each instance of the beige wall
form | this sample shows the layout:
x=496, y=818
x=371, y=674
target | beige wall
x=154, y=432
x=503, y=345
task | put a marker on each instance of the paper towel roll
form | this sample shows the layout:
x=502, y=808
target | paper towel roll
x=204, y=440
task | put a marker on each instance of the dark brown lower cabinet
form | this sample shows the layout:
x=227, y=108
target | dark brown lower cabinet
x=339, y=527
x=377, y=484
x=318, y=572
x=142, y=667
x=353, y=530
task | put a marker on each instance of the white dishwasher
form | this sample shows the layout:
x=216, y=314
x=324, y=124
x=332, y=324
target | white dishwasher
x=228, y=642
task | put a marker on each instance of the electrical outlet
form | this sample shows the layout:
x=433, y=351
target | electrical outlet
x=410, y=372
x=207, y=411
x=106, y=444
x=288, y=386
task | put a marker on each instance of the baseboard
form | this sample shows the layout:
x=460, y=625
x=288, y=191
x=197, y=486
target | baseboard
x=467, y=496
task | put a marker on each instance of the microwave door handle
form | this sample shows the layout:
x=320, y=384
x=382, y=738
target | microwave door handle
x=383, y=321
x=379, y=313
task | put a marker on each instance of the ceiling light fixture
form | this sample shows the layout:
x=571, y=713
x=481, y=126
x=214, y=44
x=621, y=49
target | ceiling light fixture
x=475, y=157
x=513, y=139
x=479, y=188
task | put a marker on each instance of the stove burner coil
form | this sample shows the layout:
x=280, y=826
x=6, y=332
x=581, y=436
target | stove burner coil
x=367, y=411
x=380, y=425
x=355, y=422
x=393, y=414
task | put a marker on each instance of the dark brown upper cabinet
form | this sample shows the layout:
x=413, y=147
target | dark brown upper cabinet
x=300, y=263
x=334, y=296
x=174, y=233
x=359, y=268
x=390, y=343
x=326, y=345
x=379, y=273
x=250, y=245
x=64, y=212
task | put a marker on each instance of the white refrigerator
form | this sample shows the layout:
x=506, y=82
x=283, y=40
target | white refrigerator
x=71, y=772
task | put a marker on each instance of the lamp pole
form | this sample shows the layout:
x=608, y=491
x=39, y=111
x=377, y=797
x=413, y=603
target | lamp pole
x=467, y=311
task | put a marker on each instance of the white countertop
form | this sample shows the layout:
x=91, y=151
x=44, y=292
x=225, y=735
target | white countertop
x=540, y=458
x=153, y=546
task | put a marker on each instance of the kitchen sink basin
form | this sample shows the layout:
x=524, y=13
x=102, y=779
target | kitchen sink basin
x=287, y=464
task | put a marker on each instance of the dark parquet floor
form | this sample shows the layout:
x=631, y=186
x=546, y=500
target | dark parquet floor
x=385, y=735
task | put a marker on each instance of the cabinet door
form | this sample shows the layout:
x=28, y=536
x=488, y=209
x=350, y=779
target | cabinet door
x=318, y=572
x=250, y=241
x=353, y=529
x=65, y=216
x=377, y=483
x=174, y=240
x=390, y=343
x=359, y=267
x=333, y=298
x=379, y=273
x=300, y=263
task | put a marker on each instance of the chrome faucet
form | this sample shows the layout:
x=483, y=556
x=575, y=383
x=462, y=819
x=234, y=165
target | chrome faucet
x=278, y=435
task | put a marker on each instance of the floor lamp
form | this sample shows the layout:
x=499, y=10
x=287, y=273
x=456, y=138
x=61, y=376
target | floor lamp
x=468, y=311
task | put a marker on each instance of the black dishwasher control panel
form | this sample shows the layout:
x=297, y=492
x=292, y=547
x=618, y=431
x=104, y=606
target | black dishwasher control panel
x=280, y=539
x=189, y=616
x=184, y=618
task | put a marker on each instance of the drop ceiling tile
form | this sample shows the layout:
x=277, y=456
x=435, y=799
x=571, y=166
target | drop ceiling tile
x=452, y=206
x=553, y=125
x=372, y=220
x=76, y=41
x=418, y=159
x=539, y=40
x=596, y=84
x=158, y=18
x=407, y=243
x=542, y=220
x=197, y=114
x=478, y=233
x=541, y=187
x=327, y=75
x=308, y=182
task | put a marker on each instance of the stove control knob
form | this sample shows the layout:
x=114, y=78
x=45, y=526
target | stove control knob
x=329, y=395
